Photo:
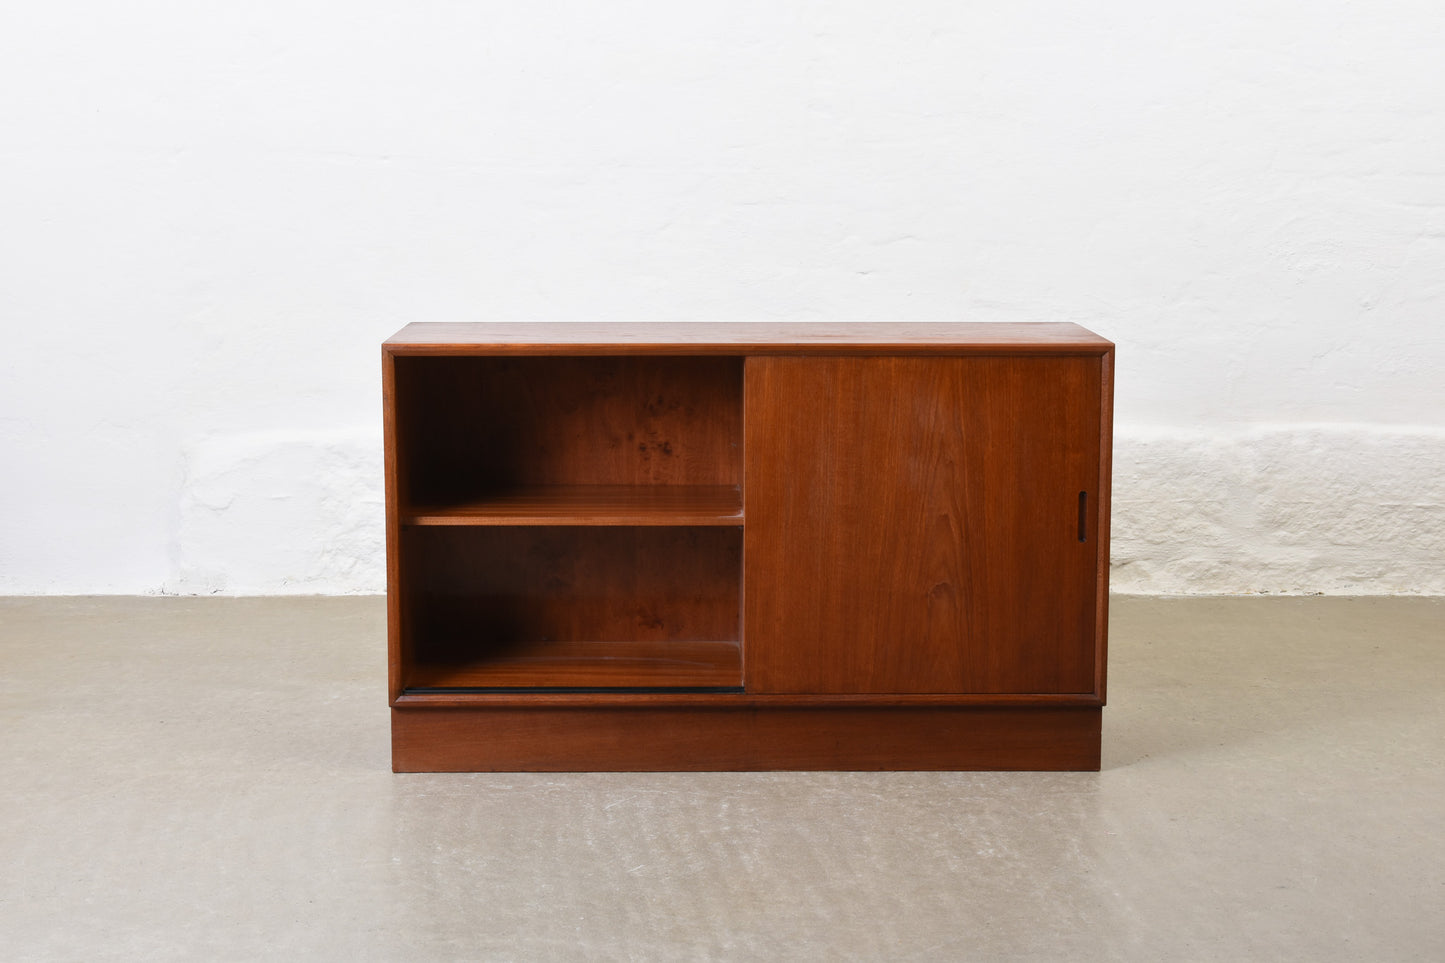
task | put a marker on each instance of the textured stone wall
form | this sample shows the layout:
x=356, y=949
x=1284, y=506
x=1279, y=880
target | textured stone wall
x=1345, y=509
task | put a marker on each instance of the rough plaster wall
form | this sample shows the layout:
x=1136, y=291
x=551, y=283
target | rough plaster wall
x=1291, y=509
x=210, y=214
x=309, y=504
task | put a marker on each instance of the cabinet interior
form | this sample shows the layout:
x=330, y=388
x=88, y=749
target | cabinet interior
x=570, y=522
x=495, y=432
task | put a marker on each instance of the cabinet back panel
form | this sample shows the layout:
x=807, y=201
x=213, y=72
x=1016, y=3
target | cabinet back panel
x=475, y=592
x=475, y=425
x=913, y=524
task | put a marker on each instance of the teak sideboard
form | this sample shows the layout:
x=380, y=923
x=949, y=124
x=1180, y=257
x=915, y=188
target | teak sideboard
x=747, y=546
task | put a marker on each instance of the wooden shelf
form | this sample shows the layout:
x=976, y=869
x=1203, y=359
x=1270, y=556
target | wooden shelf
x=590, y=505
x=589, y=664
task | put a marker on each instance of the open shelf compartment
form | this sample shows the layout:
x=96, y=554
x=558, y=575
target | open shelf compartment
x=569, y=440
x=572, y=607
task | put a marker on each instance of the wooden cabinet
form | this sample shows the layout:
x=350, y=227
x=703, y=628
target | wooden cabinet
x=747, y=546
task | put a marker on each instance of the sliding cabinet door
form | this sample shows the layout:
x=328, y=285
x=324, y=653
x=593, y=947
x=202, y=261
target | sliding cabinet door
x=921, y=525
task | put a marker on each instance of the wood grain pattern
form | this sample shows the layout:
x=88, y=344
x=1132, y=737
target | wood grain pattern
x=590, y=505
x=511, y=598
x=743, y=337
x=912, y=524
x=715, y=739
x=478, y=426
x=1103, y=514
x=396, y=650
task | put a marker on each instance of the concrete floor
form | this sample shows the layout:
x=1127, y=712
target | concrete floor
x=207, y=779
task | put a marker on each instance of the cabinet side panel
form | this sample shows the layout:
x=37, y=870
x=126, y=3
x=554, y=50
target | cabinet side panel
x=914, y=524
x=394, y=668
x=1106, y=492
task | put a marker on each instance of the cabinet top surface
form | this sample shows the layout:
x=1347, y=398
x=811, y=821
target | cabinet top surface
x=743, y=337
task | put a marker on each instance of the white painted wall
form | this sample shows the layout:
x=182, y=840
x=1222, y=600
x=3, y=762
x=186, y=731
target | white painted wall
x=211, y=214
